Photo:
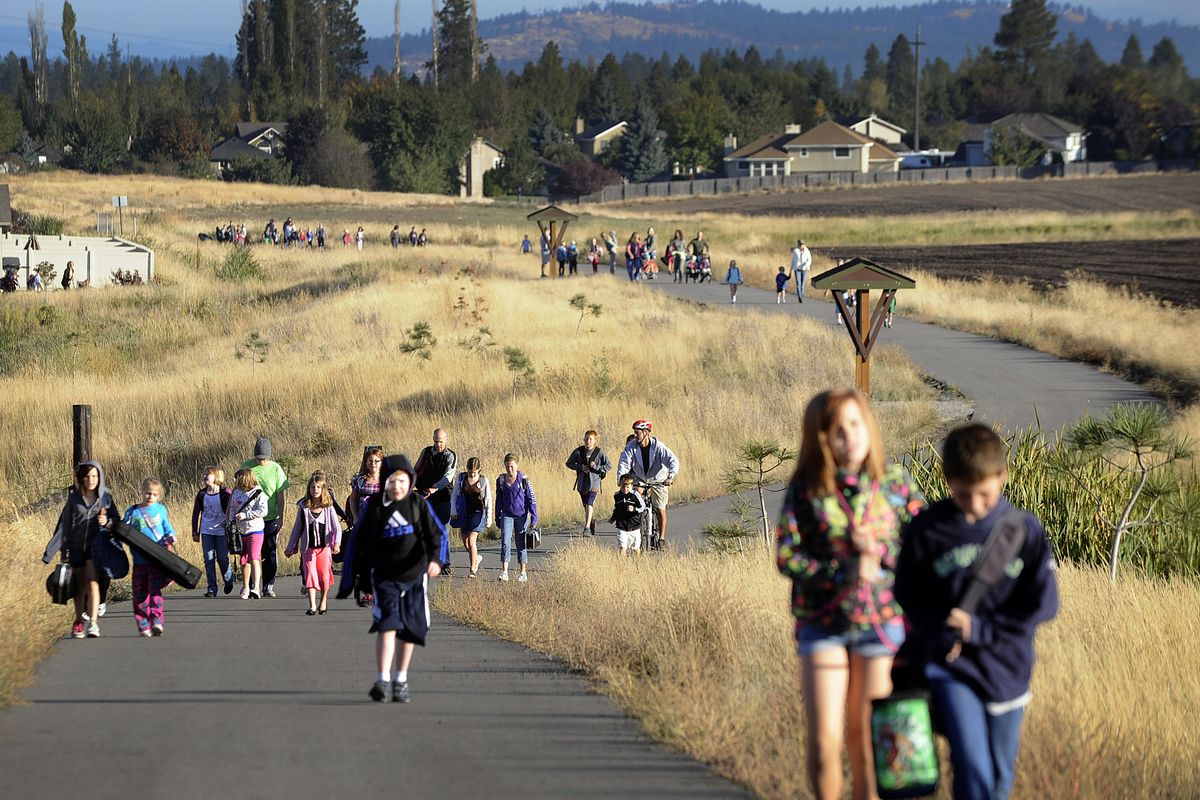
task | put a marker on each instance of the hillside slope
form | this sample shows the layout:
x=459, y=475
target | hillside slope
x=840, y=37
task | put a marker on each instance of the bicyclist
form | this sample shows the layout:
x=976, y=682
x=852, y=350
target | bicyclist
x=650, y=462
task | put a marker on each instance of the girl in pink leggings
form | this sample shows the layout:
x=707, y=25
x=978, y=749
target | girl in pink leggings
x=247, y=508
x=317, y=534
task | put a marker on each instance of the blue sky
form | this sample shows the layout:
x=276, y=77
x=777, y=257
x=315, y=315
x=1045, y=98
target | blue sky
x=201, y=26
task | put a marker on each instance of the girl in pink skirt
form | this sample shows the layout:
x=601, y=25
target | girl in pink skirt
x=247, y=508
x=317, y=536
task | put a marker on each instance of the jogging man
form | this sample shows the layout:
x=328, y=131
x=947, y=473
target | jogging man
x=651, y=462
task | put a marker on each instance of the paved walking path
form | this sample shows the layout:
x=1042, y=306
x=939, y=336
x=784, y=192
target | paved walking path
x=253, y=699
x=1007, y=383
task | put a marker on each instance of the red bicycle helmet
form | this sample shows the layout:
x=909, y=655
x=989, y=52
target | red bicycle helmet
x=643, y=425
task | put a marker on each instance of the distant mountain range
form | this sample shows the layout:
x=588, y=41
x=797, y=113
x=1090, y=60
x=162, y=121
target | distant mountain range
x=951, y=30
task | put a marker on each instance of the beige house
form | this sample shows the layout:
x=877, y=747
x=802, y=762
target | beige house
x=874, y=127
x=595, y=140
x=829, y=147
x=480, y=157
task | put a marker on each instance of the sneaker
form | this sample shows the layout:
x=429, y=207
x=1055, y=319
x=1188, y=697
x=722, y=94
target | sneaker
x=254, y=595
x=446, y=570
x=478, y=561
x=504, y=577
x=77, y=629
x=156, y=630
x=473, y=574
x=245, y=594
x=381, y=692
x=93, y=631
x=102, y=609
x=270, y=591
x=400, y=693
x=146, y=634
x=211, y=593
x=523, y=578
x=592, y=528
x=228, y=587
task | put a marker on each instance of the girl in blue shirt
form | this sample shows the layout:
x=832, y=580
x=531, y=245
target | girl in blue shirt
x=150, y=518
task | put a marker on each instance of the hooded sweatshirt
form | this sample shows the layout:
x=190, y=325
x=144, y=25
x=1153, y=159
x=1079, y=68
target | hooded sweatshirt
x=79, y=521
x=932, y=573
x=394, y=540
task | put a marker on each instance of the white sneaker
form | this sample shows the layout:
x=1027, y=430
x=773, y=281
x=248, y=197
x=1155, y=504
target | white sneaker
x=103, y=608
x=93, y=631
x=245, y=594
x=523, y=578
x=504, y=577
x=270, y=591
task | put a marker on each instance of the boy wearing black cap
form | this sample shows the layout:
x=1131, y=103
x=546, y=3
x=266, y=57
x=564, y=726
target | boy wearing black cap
x=397, y=545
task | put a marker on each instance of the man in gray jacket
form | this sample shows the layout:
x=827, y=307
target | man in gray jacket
x=650, y=462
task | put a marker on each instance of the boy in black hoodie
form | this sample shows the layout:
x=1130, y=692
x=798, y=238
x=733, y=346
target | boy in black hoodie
x=978, y=665
x=398, y=538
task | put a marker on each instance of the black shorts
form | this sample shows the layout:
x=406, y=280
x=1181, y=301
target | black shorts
x=403, y=608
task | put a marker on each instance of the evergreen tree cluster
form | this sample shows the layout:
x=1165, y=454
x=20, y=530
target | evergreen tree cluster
x=300, y=61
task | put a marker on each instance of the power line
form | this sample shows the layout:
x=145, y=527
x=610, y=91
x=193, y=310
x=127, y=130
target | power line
x=121, y=35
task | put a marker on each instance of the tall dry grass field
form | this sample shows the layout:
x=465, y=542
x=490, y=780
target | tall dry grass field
x=308, y=348
x=700, y=649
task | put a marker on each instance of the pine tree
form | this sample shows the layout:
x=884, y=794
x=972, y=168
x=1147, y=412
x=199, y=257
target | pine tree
x=901, y=73
x=642, y=152
x=73, y=56
x=458, y=44
x=1025, y=35
x=544, y=133
x=1131, y=57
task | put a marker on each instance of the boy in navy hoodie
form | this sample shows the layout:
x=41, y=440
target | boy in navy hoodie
x=978, y=665
x=397, y=545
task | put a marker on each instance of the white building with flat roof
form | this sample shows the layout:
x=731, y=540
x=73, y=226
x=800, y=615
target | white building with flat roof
x=96, y=258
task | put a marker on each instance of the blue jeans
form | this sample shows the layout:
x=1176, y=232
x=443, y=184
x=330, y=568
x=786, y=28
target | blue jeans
x=513, y=527
x=270, y=552
x=983, y=747
x=216, y=551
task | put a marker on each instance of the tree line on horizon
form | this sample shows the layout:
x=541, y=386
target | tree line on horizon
x=301, y=62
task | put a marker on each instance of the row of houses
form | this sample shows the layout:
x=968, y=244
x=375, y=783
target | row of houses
x=871, y=144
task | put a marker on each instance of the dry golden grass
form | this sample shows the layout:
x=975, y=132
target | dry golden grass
x=321, y=373
x=700, y=649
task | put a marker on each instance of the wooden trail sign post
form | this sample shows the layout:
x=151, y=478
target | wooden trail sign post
x=547, y=221
x=81, y=435
x=860, y=275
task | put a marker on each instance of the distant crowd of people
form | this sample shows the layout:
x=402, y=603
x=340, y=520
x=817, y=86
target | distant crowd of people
x=291, y=234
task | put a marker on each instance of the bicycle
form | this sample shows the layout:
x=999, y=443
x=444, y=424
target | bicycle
x=651, y=533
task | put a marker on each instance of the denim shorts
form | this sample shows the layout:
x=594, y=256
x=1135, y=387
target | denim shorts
x=865, y=643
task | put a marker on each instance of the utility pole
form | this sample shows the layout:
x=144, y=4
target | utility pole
x=433, y=29
x=917, y=43
x=396, y=36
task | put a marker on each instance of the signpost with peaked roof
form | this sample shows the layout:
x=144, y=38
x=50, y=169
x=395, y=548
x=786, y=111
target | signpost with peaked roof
x=547, y=220
x=861, y=275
